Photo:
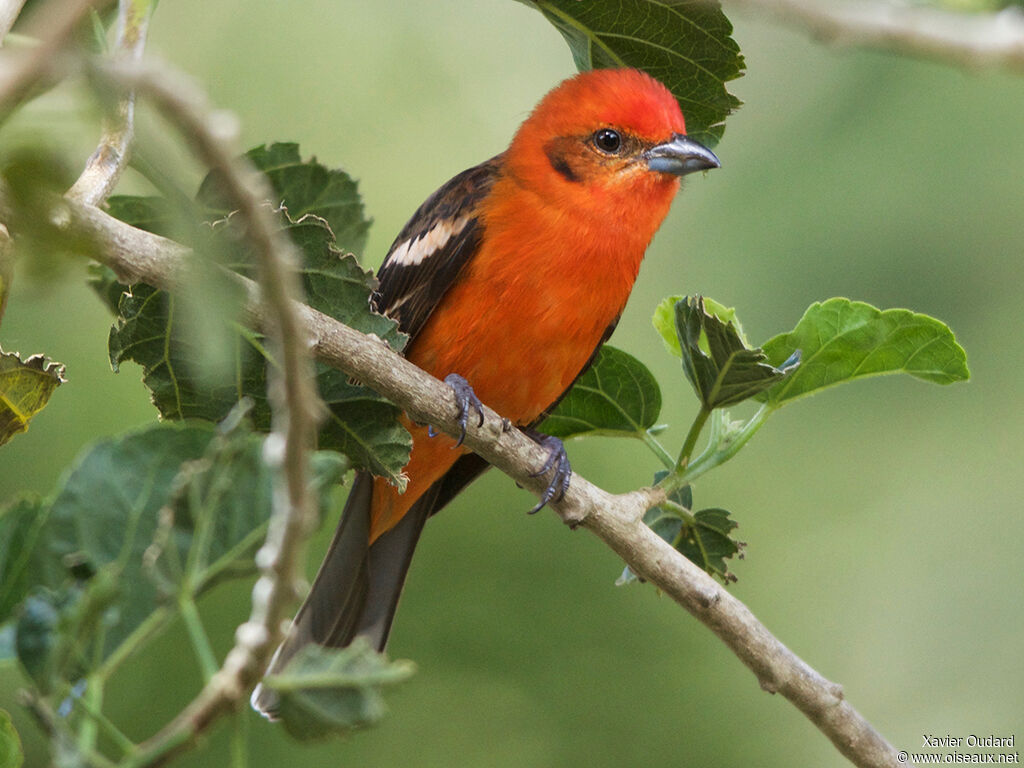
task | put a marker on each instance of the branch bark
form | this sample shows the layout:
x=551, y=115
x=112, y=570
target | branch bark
x=277, y=301
x=107, y=163
x=970, y=40
x=138, y=256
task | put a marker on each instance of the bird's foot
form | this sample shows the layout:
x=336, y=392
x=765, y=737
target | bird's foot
x=557, y=464
x=465, y=400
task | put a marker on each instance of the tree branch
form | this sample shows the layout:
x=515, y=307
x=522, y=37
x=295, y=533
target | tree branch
x=296, y=407
x=138, y=256
x=971, y=40
x=107, y=163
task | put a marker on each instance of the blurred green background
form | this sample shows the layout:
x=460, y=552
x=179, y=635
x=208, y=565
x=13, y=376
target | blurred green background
x=884, y=520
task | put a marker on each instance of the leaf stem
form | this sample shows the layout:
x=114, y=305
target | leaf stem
x=197, y=634
x=240, y=739
x=681, y=511
x=149, y=627
x=657, y=449
x=725, y=446
x=93, y=711
x=691, y=438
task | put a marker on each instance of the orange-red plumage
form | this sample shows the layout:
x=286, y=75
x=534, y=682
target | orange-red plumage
x=511, y=276
x=554, y=269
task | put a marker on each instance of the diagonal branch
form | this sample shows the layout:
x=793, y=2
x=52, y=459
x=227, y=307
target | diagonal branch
x=971, y=40
x=138, y=256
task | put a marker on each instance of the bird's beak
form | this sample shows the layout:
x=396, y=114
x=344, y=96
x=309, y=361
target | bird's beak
x=679, y=156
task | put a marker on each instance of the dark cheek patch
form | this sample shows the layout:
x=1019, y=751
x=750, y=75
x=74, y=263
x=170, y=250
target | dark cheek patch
x=558, y=158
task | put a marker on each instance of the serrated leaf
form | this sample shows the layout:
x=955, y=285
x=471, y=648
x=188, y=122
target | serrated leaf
x=616, y=396
x=728, y=372
x=686, y=44
x=703, y=537
x=707, y=542
x=305, y=187
x=25, y=389
x=664, y=522
x=334, y=690
x=361, y=424
x=664, y=322
x=11, y=754
x=841, y=340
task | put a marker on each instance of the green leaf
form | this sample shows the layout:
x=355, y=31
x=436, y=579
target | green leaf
x=174, y=506
x=686, y=44
x=22, y=561
x=617, y=395
x=11, y=754
x=665, y=523
x=153, y=213
x=707, y=542
x=153, y=331
x=841, y=340
x=334, y=690
x=58, y=630
x=664, y=322
x=728, y=371
x=25, y=389
x=704, y=537
x=108, y=508
x=305, y=187
x=216, y=518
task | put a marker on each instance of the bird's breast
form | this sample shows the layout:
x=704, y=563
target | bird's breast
x=528, y=310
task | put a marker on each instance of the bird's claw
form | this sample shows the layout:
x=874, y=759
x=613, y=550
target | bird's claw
x=465, y=400
x=558, y=464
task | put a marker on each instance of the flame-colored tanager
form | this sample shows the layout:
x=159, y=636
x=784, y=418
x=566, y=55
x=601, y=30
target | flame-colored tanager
x=507, y=281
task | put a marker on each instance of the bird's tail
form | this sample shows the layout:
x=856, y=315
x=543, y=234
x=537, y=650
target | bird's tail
x=357, y=588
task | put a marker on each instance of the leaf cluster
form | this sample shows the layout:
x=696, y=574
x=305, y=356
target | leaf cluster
x=171, y=336
x=836, y=341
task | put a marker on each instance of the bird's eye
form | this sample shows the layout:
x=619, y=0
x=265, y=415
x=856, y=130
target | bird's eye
x=607, y=140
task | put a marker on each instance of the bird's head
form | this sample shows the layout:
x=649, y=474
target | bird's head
x=608, y=139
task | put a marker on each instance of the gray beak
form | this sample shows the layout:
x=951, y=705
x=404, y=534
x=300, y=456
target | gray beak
x=680, y=155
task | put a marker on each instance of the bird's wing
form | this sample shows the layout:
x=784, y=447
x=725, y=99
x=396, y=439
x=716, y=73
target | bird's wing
x=433, y=247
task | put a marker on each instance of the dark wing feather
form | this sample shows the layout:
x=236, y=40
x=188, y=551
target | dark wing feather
x=433, y=247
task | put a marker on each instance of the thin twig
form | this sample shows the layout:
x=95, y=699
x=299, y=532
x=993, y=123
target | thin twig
x=107, y=163
x=296, y=406
x=971, y=40
x=137, y=256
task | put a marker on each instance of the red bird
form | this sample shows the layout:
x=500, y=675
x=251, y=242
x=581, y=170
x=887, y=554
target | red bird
x=507, y=280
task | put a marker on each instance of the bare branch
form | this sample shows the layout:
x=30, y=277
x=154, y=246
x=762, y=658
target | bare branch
x=107, y=163
x=616, y=519
x=971, y=40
